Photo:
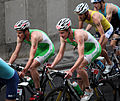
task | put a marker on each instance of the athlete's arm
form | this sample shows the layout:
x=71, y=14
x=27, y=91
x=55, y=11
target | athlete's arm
x=16, y=52
x=34, y=45
x=97, y=22
x=60, y=53
x=80, y=40
x=80, y=23
x=109, y=13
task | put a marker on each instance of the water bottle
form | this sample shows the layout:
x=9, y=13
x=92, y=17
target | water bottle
x=100, y=64
x=77, y=88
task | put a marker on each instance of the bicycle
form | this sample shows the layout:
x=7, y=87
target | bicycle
x=114, y=75
x=47, y=82
x=66, y=92
x=103, y=87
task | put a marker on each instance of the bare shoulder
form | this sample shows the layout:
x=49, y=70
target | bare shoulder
x=79, y=32
x=96, y=15
x=36, y=34
x=109, y=7
x=113, y=7
x=80, y=35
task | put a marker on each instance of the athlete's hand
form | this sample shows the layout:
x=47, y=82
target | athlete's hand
x=22, y=74
x=68, y=74
x=49, y=66
x=9, y=64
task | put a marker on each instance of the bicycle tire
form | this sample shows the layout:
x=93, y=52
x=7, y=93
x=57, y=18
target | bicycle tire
x=58, y=94
x=3, y=92
x=3, y=87
x=104, y=91
x=48, y=85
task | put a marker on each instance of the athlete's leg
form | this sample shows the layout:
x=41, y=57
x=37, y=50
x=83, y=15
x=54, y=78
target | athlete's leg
x=41, y=58
x=11, y=87
x=83, y=75
x=104, y=52
x=35, y=74
x=2, y=82
x=113, y=42
x=105, y=55
x=85, y=82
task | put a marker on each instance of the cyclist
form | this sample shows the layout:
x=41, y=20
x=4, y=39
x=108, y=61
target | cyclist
x=41, y=50
x=112, y=14
x=9, y=77
x=103, y=28
x=88, y=50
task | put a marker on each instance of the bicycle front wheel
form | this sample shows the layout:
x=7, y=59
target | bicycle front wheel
x=58, y=94
x=55, y=80
x=104, y=91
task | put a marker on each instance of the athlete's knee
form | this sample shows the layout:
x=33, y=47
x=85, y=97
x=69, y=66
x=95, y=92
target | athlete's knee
x=113, y=43
x=79, y=70
x=82, y=73
x=118, y=53
x=102, y=52
x=32, y=69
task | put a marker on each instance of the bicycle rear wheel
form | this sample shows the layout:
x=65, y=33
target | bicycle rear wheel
x=58, y=94
x=104, y=91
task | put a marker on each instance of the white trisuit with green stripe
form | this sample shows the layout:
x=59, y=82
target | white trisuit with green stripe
x=92, y=47
x=45, y=48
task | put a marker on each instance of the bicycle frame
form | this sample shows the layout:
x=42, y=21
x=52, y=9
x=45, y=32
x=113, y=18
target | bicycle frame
x=67, y=87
